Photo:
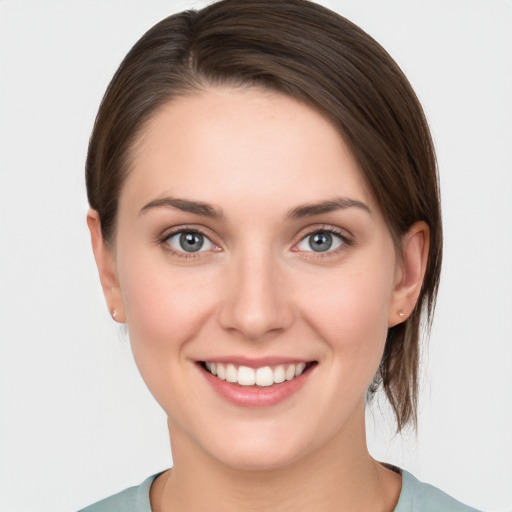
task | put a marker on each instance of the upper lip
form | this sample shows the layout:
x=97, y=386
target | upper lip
x=258, y=362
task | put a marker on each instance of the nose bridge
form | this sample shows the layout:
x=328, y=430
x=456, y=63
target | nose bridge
x=256, y=302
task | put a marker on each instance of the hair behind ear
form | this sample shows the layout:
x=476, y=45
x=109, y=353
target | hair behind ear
x=399, y=367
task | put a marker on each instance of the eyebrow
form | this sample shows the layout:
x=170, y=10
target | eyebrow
x=185, y=205
x=303, y=210
x=339, y=203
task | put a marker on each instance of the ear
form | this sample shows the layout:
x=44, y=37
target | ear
x=409, y=273
x=105, y=261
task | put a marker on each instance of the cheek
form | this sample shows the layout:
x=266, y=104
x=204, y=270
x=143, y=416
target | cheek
x=165, y=308
x=158, y=298
x=164, y=312
x=161, y=310
x=357, y=301
x=351, y=316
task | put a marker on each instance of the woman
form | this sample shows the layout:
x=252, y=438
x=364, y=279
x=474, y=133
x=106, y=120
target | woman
x=265, y=219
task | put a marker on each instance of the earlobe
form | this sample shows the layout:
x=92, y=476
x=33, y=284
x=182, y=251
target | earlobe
x=410, y=273
x=105, y=262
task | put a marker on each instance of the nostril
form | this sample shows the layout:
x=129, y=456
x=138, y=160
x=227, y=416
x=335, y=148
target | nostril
x=255, y=318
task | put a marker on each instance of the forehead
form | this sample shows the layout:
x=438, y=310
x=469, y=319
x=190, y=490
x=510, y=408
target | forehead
x=247, y=142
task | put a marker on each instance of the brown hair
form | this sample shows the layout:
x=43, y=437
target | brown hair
x=314, y=55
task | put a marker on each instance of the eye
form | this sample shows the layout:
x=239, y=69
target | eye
x=321, y=241
x=189, y=241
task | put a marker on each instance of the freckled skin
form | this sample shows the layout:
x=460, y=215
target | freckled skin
x=258, y=289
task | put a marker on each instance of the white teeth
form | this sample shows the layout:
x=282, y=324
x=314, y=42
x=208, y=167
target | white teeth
x=231, y=373
x=279, y=375
x=299, y=369
x=246, y=376
x=264, y=377
x=290, y=372
x=221, y=371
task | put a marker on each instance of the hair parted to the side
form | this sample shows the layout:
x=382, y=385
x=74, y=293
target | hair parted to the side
x=314, y=55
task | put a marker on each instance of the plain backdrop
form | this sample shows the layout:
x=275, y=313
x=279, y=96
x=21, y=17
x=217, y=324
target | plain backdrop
x=76, y=422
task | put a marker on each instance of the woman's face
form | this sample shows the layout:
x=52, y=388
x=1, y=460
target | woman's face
x=248, y=242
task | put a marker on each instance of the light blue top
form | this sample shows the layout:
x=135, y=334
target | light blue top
x=414, y=497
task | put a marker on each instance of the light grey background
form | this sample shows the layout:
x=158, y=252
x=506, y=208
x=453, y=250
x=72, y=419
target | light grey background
x=76, y=422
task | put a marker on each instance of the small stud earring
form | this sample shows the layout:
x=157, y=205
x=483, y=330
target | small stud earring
x=114, y=314
x=401, y=314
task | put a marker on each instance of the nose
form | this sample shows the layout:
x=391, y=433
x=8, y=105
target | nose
x=257, y=302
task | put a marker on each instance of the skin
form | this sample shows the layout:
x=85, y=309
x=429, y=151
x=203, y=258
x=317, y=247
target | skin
x=258, y=290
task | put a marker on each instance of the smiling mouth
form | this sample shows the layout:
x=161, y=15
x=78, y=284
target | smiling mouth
x=264, y=376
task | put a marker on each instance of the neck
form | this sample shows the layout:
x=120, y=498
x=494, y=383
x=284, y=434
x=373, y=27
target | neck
x=341, y=476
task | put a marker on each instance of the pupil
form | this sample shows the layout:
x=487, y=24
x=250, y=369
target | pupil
x=320, y=242
x=191, y=242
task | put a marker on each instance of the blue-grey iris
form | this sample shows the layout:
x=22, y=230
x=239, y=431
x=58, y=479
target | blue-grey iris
x=320, y=242
x=191, y=242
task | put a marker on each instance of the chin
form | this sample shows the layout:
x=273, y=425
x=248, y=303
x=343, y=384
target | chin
x=258, y=460
x=260, y=448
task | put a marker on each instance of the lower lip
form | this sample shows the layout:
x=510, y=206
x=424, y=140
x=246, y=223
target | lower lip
x=256, y=396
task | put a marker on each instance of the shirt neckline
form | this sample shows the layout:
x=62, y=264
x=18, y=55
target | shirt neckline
x=408, y=480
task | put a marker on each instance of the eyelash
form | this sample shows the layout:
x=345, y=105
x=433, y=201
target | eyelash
x=346, y=241
x=164, y=242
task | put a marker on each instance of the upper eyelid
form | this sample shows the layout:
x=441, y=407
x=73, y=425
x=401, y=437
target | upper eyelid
x=168, y=232
x=310, y=230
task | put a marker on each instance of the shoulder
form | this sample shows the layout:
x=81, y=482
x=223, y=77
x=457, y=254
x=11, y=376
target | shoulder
x=417, y=496
x=133, y=499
